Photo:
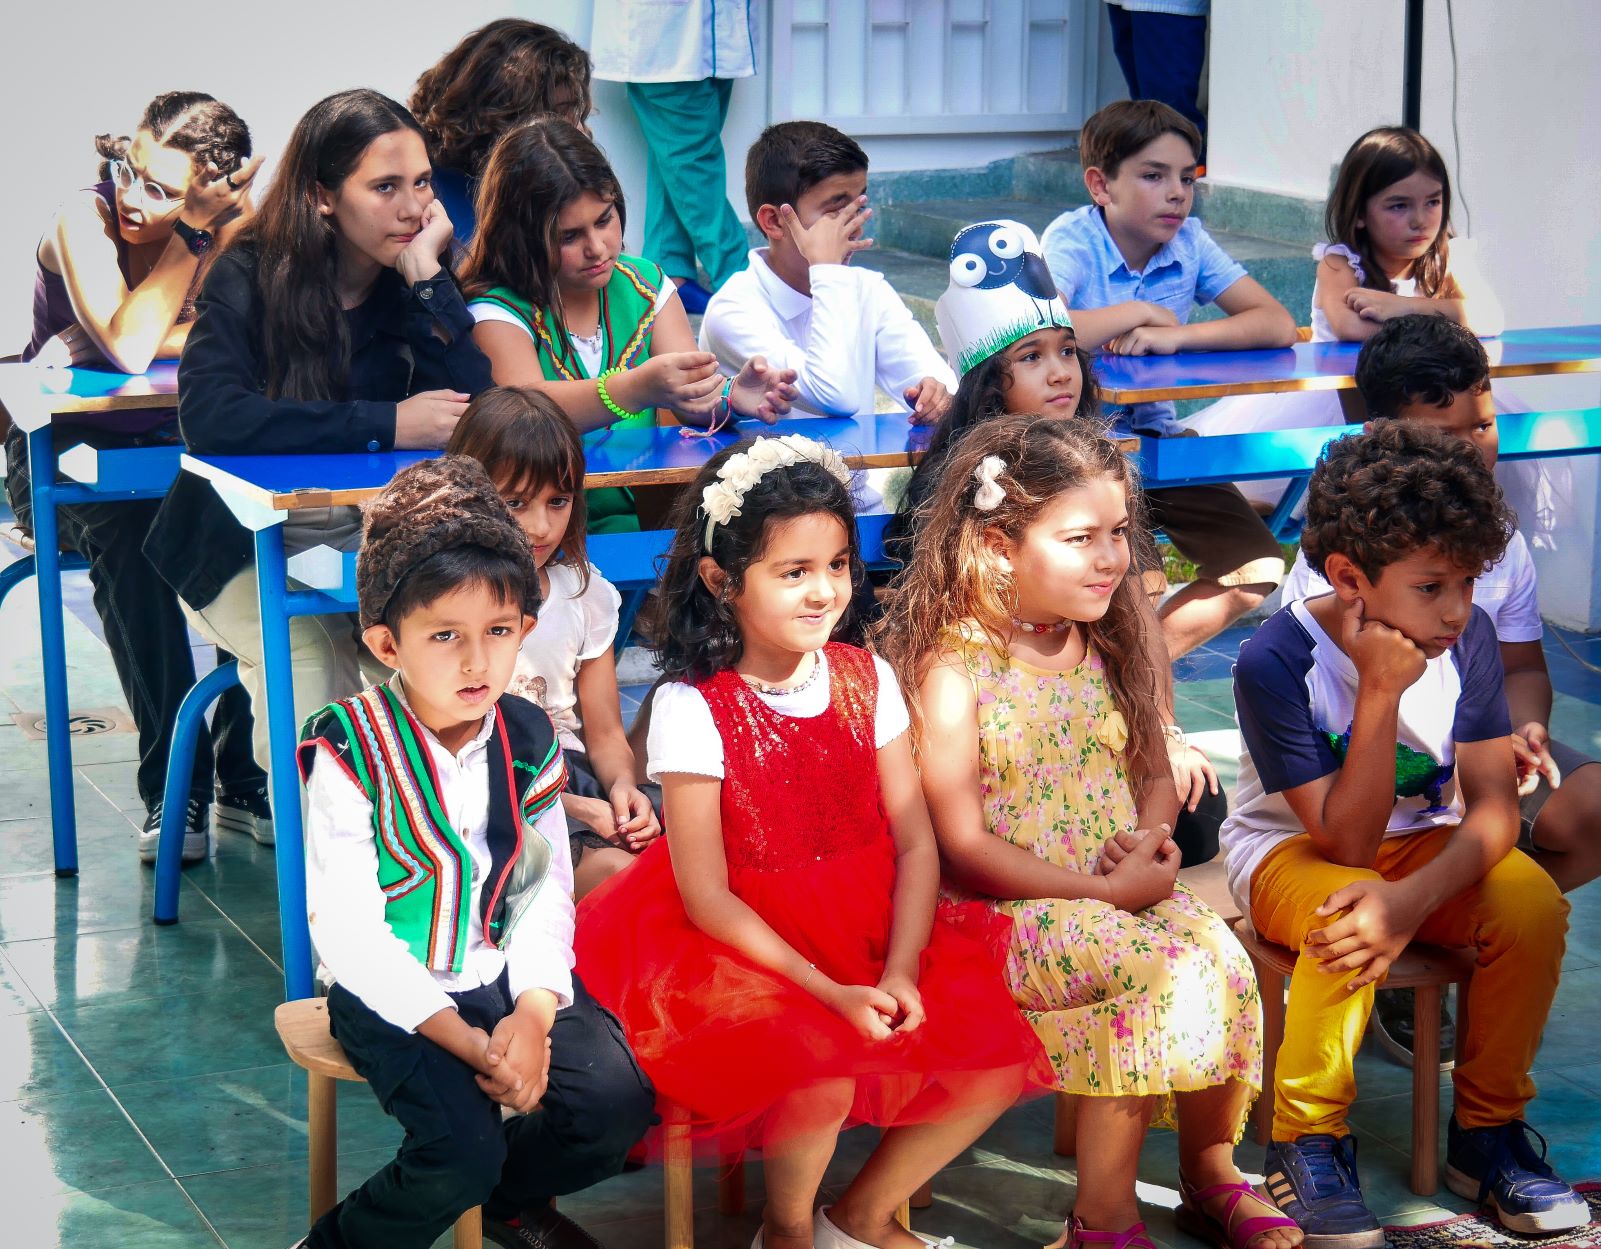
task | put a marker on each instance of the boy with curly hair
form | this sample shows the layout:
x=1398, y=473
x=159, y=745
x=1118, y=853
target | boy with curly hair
x=1377, y=806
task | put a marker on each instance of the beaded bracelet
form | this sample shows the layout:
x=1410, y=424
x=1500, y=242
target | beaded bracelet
x=621, y=414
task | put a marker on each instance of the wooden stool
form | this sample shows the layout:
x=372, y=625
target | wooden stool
x=303, y=1028
x=1426, y=970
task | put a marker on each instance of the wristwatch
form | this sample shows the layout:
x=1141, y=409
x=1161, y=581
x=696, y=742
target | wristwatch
x=197, y=241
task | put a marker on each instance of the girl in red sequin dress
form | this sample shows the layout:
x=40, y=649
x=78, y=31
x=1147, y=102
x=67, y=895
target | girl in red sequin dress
x=776, y=961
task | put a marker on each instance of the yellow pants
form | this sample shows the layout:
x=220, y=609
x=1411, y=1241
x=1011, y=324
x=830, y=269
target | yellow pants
x=1515, y=918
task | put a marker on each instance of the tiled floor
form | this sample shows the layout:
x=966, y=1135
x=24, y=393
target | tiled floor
x=145, y=1102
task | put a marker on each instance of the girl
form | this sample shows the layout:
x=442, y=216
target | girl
x=536, y=460
x=561, y=309
x=498, y=77
x=113, y=287
x=777, y=961
x=331, y=325
x=1043, y=767
x=1390, y=252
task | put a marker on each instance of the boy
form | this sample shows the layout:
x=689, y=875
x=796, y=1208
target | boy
x=802, y=304
x=439, y=892
x=1130, y=266
x=1377, y=805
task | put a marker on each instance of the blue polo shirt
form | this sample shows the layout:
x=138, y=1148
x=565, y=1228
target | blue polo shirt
x=1090, y=271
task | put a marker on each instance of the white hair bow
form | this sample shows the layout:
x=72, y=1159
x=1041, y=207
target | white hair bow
x=990, y=493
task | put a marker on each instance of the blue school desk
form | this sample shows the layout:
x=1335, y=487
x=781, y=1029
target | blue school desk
x=36, y=398
x=1323, y=366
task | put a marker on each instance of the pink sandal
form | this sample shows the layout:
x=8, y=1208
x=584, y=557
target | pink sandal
x=1076, y=1236
x=1193, y=1216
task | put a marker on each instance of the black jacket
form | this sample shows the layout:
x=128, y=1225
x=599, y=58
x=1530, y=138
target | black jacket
x=223, y=409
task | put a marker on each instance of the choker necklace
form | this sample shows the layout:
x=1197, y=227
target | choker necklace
x=780, y=691
x=1024, y=626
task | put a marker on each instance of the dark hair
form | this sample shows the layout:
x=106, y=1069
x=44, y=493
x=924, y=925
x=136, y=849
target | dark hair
x=792, y=157
x=190, y=121
x=525, y=442
x=1377, y=497
x=701, y=633
x=1420, y=358
x=953, y=581
x=304, y=339
x=455, y=567
x=532, y=173
x=500, y=75
x=1121, y=129
x=1380, y=158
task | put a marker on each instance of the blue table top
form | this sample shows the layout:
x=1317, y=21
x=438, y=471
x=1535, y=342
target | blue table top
x=1323, y=366
x=33, y=394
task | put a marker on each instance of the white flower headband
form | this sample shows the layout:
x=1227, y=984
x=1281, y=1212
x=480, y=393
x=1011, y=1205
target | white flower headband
x=722, y=499
x=990, y=493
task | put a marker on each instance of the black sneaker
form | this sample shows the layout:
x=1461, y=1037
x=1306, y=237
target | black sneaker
x=244, y=811
x=544, y=1227
x=196, y=832
x=1392, y=1025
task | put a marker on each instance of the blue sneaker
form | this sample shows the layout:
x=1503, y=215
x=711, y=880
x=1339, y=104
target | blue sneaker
x=1313, y=1180
x=694, y=297
x=1499, y=1166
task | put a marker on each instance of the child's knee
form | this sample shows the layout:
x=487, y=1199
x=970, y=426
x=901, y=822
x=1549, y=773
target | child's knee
x=1523, y=910
x=1570, y=820
x=456, y=1172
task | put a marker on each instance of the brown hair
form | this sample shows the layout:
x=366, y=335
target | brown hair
x=525, y=442
x=1381, y=158
x=192, y=122
x=532, y=173
x=1119, y=130
x=790, y=158
x=500, y=75
x=953, y=582
x=1378, y=497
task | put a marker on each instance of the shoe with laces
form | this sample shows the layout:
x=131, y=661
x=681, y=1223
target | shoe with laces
x=1313, y=1180
x=1392, y=1027
x=1499, y=1167
x=244, y=811
x=543, y=1227
x=196, y=832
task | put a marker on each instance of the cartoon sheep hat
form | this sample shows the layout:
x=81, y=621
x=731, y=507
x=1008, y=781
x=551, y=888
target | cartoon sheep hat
x=1001, y=290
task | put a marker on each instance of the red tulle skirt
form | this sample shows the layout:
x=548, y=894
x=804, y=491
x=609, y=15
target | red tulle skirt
x=724, y=1039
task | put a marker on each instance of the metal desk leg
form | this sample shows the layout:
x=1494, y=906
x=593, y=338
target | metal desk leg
x=290, y=850
x=180, y=774
x=53, y=645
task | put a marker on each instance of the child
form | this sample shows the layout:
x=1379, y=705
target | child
x=1043, y=766
x=535, y=458
x=802, y=304
x=777, y=960
x=438, y=890
x=1377, y=804
x=1390, y=254
x=560, y=308
x=1130, y=265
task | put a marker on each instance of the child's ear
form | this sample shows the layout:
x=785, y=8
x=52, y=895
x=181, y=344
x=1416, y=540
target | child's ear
x=711, y=575
x=1095, y=182
x=381, y=642
x=1344, y=577
x=999, y=548
x=325, y=201
x=528, y=626
x=770, y=224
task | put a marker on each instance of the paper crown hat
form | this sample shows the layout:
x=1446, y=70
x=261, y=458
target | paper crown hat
x=1001, y=290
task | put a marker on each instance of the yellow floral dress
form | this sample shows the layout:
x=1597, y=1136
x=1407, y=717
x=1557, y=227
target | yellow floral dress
x=1157, y=1002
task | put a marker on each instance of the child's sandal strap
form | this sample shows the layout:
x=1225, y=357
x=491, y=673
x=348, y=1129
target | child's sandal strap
x=1075, y=1234
x=1237, y=1234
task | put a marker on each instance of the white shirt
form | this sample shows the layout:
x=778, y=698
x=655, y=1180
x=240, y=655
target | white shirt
x=589, y=350
x=850, y=332
x=684, y=738
x=575, y=625
x=673, y=40
x=1507, y=592
x=345, y=906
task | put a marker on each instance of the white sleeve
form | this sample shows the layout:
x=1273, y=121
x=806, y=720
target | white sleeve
x=539, y=954
x=494, y=312
x=345, y=906
x=1518, y=617
x=902, y=351
x=683, y=736
x=601, y=606
x=890, y=717
x=1301, y=582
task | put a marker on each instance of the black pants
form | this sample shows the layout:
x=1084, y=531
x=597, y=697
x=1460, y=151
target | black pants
x=1196, y=831
x=457, y=1152
x=145, y=630
x=1161, y=55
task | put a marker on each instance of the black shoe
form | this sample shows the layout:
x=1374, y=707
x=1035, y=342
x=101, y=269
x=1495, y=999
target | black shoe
x=244, y=811
x=196, y=832
x=1392, y=1025
x=543, y=1227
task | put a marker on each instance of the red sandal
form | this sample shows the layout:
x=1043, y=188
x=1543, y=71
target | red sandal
x=1226, y=1233
x=1076, y=1236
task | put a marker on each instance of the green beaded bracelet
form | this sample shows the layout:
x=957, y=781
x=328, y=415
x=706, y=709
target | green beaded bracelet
x=622, y=414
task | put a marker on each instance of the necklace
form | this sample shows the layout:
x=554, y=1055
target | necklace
x=777, y=691
x=1024, y=626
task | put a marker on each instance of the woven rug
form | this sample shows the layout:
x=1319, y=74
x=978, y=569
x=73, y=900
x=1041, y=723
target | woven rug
x=1481, y=1231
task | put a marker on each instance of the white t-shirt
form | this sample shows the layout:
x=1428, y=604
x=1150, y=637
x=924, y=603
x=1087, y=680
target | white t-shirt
x=1295, y=694
x=1507, y=591
x=684, y=738
x=589, y=350
x=574, y=627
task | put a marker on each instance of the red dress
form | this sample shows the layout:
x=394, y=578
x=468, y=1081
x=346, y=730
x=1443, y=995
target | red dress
x=809, y=849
